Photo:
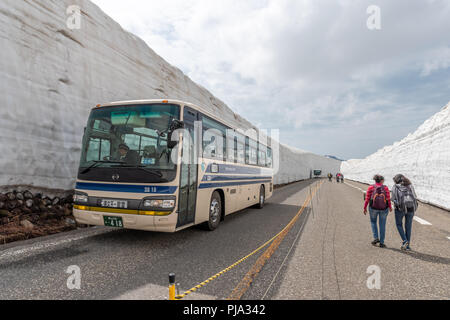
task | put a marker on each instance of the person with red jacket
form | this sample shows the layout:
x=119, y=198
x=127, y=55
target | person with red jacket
x=378, y=199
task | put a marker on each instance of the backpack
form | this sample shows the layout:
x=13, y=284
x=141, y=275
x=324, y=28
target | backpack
x=406, y=200
x=378, y=201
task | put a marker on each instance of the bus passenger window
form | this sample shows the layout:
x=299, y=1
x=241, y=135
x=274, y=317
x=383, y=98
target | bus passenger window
x=269, y=163
x=241, y=153
x=231, y=149
x=253, y=152
x=214, y=142
x=247, y=150
x=262, y=150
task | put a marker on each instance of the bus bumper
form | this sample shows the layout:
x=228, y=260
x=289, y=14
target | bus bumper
x=134, y=222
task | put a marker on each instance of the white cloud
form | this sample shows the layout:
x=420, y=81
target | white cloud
x=296, y=64
x=438, y=59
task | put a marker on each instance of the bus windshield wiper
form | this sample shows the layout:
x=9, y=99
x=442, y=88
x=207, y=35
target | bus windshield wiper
x=98, y=162
x=156, y=173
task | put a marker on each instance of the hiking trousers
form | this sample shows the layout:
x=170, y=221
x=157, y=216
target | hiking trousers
x=379, y=216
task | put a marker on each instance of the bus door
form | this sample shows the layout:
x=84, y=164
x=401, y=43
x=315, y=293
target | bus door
x=188, y=173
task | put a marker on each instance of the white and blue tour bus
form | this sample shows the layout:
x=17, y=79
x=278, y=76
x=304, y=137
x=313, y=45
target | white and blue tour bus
x=166, y=165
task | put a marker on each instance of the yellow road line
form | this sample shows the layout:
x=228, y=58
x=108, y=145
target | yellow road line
x=285, y=230
x=245, y=283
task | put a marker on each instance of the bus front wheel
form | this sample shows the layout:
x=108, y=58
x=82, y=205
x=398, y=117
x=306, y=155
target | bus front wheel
x=262, y=198
x=215, y=212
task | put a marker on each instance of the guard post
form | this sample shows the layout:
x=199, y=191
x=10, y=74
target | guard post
x=172, y=288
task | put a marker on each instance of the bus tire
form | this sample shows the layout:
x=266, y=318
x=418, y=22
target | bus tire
x=215, y=212
x=262, y=198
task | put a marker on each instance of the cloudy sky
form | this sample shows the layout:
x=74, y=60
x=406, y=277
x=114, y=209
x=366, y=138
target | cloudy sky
x=310, y=68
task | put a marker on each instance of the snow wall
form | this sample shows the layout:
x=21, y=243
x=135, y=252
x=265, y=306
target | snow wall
x=423, y=157
x=52, y=76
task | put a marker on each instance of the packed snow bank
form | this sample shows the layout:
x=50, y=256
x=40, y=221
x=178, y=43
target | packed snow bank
x=52, y=76
x=297, y=165
x=423, y=156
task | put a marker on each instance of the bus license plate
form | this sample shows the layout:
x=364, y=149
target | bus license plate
x=118, y=204
x=115, y=222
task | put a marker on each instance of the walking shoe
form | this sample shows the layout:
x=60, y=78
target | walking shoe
x=375, y=242
x=405, y=246
x=382, y=245
x=408, y=248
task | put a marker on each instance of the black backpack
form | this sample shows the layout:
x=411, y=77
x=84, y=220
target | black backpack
x=406, y=200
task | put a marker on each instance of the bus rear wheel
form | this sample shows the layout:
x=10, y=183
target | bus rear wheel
x=215, y=212
x=262, y=198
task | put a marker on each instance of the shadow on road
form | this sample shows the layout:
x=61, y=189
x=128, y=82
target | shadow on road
x=423, y=256
x=287, y=191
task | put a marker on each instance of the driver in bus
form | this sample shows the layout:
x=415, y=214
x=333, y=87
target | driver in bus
x=128, y=156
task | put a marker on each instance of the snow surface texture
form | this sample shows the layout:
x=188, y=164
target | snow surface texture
x=52, y=76
x=423, y=157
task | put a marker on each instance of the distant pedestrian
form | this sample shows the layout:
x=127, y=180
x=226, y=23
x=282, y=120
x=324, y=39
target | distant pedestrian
x=339, y=177
x=378, y=199
x=330, y=176
x=405, y=202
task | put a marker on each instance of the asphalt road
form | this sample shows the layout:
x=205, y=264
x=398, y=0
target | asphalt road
x=334, y=254
x=127, y=264
x=325, y=255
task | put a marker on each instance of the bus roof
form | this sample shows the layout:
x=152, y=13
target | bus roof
x=135, y=102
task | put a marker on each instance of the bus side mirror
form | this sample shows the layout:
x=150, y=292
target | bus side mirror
x=174, y=126
x=171, y=144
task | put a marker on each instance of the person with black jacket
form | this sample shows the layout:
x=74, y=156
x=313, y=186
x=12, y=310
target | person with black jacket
x=130, y=157
x=405, y=201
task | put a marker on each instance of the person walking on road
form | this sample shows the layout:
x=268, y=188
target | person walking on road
x=378, y=199
x=330, y=176
x=405, y=203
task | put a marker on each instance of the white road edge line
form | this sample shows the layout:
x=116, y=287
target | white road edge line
x=363, y=191
x=422, y=221
x=419, y=220
x=40, y=247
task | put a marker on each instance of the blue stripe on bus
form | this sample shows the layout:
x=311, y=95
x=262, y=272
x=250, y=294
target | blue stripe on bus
x=230, y=178
x=230, y=184
x=126, y=188
x=236, y=169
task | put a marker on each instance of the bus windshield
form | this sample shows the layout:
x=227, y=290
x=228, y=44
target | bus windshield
x=129, y=137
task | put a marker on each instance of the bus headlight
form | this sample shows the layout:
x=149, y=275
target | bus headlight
x=80, y=198
x=165, y=204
